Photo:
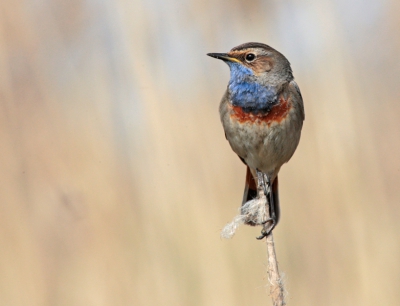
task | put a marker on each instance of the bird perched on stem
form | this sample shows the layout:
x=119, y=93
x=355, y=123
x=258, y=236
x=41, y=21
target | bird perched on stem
x=262, y=114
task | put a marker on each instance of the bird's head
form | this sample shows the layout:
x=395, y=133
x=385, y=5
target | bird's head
x=258, y=63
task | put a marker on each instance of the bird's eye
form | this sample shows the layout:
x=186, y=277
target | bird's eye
x=250, y=57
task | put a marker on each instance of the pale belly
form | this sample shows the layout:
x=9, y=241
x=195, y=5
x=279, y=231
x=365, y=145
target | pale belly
x=264, y=143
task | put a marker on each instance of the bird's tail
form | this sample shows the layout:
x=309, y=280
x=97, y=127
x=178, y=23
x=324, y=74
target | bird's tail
x=250, y=193
x=250, y=187
x=275, y=195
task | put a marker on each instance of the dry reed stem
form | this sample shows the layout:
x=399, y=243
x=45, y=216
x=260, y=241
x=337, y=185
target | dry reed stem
x=276, y=284
x=257, y=211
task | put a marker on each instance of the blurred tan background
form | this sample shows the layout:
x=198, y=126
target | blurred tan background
x=116, y=177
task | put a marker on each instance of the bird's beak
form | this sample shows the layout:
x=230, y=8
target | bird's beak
x=224, y=57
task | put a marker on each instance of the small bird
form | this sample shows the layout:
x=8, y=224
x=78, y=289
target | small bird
x=262, y=114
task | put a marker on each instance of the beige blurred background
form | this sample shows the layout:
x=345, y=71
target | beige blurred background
x=116, y=177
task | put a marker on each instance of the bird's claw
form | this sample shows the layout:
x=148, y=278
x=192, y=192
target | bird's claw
x=266, y=231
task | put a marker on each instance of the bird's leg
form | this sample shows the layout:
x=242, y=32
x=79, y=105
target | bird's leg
x=272, y=213
x=263, y=181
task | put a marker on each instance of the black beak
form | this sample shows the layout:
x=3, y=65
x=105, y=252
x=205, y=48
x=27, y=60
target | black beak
x=223, y=56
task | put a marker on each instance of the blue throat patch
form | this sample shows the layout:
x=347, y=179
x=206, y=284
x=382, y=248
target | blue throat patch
x=247, y=93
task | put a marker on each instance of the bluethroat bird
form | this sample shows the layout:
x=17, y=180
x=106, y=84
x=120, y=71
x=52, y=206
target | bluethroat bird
x=262, y=114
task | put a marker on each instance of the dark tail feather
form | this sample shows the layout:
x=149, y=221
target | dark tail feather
x=250, y=188
x=275, y=195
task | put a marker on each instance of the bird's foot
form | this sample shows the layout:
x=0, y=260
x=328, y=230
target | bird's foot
x=267, y=230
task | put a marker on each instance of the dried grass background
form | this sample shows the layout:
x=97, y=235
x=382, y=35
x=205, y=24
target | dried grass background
x=116, y=177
